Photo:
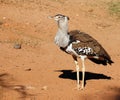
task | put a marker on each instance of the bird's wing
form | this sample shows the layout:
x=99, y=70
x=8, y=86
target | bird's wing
x=81, y=40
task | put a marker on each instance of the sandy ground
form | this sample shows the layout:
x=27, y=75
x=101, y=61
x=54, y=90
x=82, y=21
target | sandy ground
x=39, y=70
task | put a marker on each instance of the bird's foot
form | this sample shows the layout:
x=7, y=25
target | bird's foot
x=79, y=87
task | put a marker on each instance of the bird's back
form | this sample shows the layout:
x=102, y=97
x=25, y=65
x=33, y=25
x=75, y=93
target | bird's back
x=86, y=41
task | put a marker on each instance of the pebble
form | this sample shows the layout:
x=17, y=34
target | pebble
x=29, y=69
x=17, y=46
x=44, y=88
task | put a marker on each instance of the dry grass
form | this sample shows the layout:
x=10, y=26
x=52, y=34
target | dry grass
x=114, y=8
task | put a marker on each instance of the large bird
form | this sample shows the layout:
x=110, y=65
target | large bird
x=79, y=45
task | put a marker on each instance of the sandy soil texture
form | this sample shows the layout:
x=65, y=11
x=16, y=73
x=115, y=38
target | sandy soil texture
x=39, y=70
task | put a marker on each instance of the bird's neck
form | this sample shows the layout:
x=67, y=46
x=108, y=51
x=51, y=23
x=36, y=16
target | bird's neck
x=63, y=27
x=62, y=37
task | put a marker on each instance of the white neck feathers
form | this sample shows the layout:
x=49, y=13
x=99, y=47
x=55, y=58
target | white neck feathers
x=62, y=37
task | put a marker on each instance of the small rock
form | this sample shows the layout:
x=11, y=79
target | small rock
x=29, y=69
x=17, y=46
x=90, y=10
x=44, y=88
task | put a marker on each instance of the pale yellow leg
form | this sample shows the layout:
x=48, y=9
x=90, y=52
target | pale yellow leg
x=78, y=79
x=83, y=73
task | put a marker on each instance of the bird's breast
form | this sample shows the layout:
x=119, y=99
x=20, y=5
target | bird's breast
x=61, y=40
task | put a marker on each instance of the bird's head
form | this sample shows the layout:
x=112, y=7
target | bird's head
x=59, y=18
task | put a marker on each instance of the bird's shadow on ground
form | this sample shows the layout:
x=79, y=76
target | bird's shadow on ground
x=70, y=74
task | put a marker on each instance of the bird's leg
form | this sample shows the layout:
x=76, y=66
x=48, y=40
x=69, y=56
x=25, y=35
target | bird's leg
x=83, y=72
x=77, y=69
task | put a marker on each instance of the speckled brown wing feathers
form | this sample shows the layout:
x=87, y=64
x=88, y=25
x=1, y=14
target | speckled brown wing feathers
x=87, y=41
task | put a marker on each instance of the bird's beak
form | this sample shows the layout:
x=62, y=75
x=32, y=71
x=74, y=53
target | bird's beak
x=53, y=17
x=50, y=17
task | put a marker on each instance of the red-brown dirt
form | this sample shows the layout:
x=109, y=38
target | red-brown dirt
x=39, y=70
